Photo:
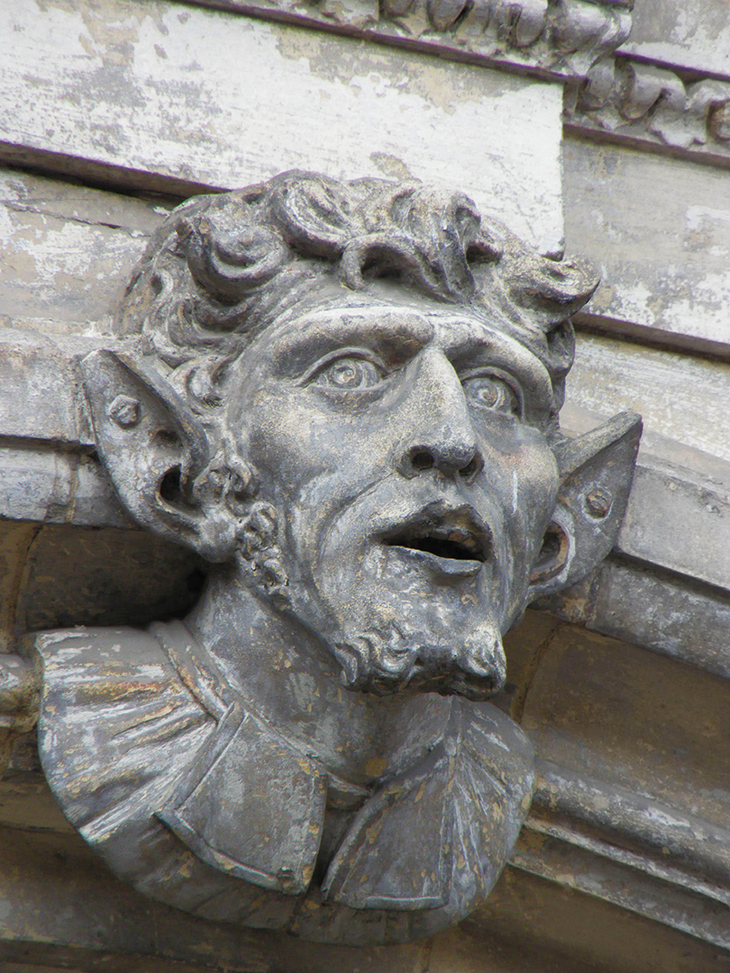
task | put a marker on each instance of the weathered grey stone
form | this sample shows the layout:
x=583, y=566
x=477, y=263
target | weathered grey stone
x=694, y=35
x=682, y=863
x=681, y=621
x=345, y=398
x=668, y=87
x=38, y=382
x=629, y=890
x=651, y=524
x=67, y=251
x=654, y=609
x=682, y=397
x=614, y=721
x=658, y=231
x=56, y=877
x=638, y=828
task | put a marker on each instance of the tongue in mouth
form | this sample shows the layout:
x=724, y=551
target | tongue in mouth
x=449, y=541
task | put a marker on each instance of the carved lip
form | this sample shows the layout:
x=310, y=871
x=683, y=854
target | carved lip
x=455, y=540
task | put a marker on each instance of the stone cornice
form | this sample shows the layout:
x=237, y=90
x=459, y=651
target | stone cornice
x=559, y=38
x=611, y=95
x=643, y=103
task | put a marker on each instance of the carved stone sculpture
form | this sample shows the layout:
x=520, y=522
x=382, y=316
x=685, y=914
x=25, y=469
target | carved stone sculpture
x=345, y=397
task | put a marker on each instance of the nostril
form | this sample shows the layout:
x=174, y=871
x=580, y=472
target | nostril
x=421, y=459
x=471, y=468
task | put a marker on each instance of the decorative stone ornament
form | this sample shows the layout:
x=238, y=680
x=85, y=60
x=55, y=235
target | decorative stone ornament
x=566, y=37
x=345, y=397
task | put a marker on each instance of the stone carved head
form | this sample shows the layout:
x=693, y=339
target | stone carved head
x=361, y=385
x=345, y=397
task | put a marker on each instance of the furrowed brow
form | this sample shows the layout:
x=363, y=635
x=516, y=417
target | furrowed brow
x=393, y=336
x=470, y=347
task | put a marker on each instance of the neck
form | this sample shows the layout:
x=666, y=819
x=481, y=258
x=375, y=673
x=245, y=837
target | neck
x=286, y=674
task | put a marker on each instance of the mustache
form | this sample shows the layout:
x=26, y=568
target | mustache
x=399, y=513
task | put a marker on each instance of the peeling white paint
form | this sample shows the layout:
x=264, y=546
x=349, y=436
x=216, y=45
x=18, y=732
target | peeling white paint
x=234, y=100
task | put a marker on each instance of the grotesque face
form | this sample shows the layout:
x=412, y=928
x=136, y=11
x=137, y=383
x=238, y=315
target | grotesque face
x=345, y=397
x=389, y=368
x=401, y=443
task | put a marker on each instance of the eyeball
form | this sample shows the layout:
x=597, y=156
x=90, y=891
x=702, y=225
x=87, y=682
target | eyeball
x=492, y=392
x=349, y=374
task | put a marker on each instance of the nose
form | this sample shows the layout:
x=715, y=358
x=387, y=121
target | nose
x=440, y=434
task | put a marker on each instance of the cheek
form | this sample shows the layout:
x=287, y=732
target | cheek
x=277, y=436
x=529, y=499
x=302, y=456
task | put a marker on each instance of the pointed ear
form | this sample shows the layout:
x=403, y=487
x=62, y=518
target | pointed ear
x=596, y=472
x=154, y=449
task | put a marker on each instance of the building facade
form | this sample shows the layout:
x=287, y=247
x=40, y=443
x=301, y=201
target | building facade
x=590, y=129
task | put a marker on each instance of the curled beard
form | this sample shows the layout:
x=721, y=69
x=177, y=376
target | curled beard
x=402, y=656
x=376, y=655
x=260, y=556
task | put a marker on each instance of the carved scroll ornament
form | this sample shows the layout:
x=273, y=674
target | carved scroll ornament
x=345, y=397
x=644, y=102
x=565, y=37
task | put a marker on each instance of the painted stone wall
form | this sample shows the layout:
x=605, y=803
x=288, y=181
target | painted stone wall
x=577, y=134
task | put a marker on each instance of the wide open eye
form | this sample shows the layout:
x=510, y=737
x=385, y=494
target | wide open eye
x=349, y=373
x=490, y=391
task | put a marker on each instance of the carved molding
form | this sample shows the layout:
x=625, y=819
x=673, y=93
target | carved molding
x=638, y=101
x=634, y=852
x=564, y=38
x=574, y=40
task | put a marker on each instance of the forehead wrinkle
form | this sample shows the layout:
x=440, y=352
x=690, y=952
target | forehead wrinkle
x=345, y=326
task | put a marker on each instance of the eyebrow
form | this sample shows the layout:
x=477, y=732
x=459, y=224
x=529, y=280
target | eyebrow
x=395, y=336
x=474, y=343
x=398, y=333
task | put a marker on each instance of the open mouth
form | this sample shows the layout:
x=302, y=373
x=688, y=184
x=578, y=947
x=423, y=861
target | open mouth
x=457, y=543
x=453, y=547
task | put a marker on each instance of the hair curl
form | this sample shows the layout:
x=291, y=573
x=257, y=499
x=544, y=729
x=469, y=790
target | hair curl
x=222, y=267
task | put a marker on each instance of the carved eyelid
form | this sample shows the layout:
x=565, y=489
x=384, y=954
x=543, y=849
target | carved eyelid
x=489, y=371
x=365, y=354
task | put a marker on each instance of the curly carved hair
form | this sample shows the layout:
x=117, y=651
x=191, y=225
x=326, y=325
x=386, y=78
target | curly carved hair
x=222, y=267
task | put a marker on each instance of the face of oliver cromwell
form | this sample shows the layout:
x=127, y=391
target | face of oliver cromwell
x=401, y=443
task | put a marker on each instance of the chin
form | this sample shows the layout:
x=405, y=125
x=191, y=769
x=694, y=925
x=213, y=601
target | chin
x=403, y=657
x=408, y=596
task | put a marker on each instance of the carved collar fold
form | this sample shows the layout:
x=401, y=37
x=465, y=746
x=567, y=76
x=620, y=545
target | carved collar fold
x=143, y=751
x=254, y=805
